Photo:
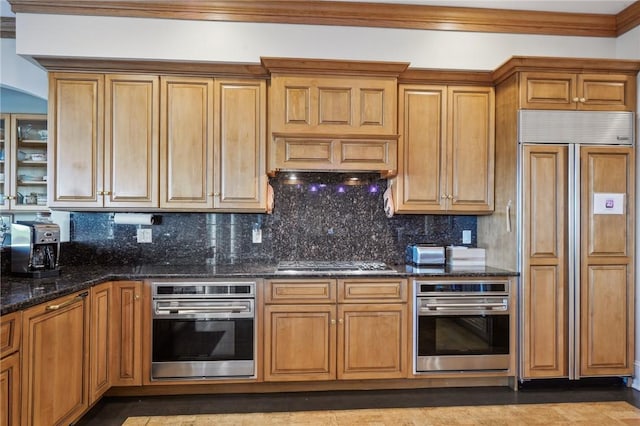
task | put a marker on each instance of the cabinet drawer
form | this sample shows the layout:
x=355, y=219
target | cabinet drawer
x=300, y=291
x=372, y=290
x=10, y=333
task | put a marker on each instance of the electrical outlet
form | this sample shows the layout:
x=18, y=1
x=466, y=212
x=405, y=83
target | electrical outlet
x=466, y=236
x=257, y=236
x=144, y=235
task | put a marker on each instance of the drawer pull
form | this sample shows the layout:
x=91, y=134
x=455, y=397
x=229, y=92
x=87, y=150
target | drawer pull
x=68, y=302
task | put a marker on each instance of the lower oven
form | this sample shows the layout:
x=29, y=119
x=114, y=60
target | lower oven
x=462, y=326
x=203, y=330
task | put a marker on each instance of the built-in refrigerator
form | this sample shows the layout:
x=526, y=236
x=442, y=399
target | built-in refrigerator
x=565, y=220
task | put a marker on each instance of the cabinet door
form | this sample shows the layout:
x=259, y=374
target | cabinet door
x=545, y=292
x=548, y=90
x=606, y=264
x=10, y=390
x=55, y=361
x=127, y=334
x=76, y=139
x=5, y=164
x=470, y=150
x=100, y=341
x=132, y=105
x=372, y=341
x=240, y=144
x=186, y=142
x=606, y=92
x=422, y=115
x=28, y=177
x=300, y=342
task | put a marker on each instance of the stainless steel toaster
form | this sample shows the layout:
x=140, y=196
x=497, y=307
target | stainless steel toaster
x=425, y=254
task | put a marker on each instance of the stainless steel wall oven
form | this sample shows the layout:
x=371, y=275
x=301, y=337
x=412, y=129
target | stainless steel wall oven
x=203, y=330
x=461, y=326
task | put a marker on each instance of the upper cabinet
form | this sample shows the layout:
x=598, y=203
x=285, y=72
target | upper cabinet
x=332, y=115
x=572, y=83
x=446, y=150
x=23, y=162
x=148, y=142
x=570, y=91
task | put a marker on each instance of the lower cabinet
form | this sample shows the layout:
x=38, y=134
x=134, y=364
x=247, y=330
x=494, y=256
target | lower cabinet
x=126, y=334
x=54, y=361
x=100, y=341
x=313, y=334
x=10, y=332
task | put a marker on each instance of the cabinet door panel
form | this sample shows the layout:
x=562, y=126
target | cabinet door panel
x=300, y=343
x=100, y=343
x=55, y=365
x=372, y=341
x=548, y=90
x=131, y=140
x=241, y=180
x=186, y=142
x=545, y=292
x=606, y=263
x=607, y=92
x=10, y=390
x=76, y=139
x=127, y=334
x=470, y=149
x=422, y=157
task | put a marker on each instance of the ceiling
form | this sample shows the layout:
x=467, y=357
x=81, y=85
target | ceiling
x=608, y=7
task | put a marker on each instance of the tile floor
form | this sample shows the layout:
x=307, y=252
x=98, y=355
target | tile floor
x=115, y=410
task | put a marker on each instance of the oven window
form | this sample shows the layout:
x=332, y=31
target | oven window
x=463, y=335
x=202, y=339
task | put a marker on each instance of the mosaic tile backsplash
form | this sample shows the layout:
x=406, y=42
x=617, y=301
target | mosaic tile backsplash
x=319, y=216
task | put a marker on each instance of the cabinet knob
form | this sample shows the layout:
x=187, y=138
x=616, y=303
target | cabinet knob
x=576, y=99
x=107, y=192
x=583, y=100
x=450, y=197
x=333, y=322
x=341, y=321
x=136, y=297
x=443, y=196
x=100, y=192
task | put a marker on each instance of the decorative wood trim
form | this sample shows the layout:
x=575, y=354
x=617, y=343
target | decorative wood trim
x=438, y=76
x=628, y=19
x=333, y=67
x=7, y=27
x=383, y=15
x=578, y=65
x=200, y=69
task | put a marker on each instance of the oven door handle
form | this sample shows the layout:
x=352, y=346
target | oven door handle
x=202, y=309
x=466, y=306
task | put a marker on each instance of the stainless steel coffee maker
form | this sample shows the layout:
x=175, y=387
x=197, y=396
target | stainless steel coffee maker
x=35, y=249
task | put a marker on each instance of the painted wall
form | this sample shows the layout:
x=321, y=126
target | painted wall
x=19, y=73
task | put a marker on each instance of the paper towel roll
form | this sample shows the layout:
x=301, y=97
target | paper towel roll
x=133, y=219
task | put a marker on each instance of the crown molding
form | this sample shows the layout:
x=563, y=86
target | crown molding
x=383, y=15
x=7, y=27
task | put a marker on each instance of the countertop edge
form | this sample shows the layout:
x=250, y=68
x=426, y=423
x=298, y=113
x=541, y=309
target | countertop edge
x=75, y=284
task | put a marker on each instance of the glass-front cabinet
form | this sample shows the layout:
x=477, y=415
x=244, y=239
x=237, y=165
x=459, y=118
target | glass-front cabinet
x=23, y=162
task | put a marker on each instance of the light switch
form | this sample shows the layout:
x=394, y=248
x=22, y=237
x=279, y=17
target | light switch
x=466, y=236
x=144, y=235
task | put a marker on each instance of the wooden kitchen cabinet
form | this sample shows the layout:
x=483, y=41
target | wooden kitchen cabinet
x=240, y=145
x=332, y=115
x=446, y=150
x=186, y=142
x=55, y=361
x=100, y=329
x=126, y=334
x=581, y=91
x=10, y=333
x=312, y=335
x=99, y=159
x=23, y=162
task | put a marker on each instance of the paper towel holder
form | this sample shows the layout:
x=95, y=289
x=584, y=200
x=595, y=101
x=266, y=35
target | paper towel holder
x=135, y=219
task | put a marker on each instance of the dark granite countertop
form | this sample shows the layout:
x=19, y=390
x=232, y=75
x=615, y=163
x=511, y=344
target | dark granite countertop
x=19, y=293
